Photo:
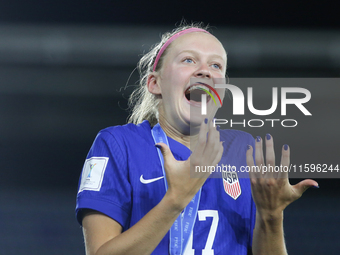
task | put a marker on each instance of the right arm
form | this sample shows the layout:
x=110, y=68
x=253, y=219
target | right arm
x=103, y=235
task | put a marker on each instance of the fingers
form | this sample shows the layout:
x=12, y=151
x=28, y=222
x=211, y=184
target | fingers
x=250, y=161
x=259, y=160
x=167, y=154
x=270, y=155
x=219, y=154
x=302, y=186
x=208, y=140
x=208, y=149
x=271, y=189
x=267, y=165
x=202, y=138
x=285, y=162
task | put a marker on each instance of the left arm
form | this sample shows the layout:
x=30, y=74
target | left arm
x=272, y=193
x=268, y=237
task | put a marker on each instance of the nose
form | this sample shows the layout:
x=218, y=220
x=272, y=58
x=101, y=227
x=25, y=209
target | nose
x=203, y=72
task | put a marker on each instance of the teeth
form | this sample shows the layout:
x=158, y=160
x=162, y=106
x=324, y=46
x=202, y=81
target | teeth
x=196, y=87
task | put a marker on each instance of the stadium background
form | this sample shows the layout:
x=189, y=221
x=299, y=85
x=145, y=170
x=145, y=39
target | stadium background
x=63, y=69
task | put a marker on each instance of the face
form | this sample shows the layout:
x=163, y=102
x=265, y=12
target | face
x=194, y=56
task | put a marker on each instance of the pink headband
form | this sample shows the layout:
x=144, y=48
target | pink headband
x=172, y=38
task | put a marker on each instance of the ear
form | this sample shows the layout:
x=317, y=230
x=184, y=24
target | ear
x=153, y=85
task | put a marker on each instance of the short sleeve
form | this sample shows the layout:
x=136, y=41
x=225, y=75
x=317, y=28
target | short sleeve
x=104, y=184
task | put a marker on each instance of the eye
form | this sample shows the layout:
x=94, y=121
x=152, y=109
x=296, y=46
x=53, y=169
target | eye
x=188, y=60
x=217, y=66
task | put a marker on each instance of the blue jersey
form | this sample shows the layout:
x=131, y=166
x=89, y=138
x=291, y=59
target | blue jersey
x=123, y=178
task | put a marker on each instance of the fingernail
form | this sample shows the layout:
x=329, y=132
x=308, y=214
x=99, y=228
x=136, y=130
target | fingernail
x=258, y=139
x=268, y=136
x=205, y=120
x=158, y=146
x=285, y=147
x=315, y=187
x=248, y=147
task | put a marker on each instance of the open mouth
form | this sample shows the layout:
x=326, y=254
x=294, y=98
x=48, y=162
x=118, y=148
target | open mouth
x=194, y=93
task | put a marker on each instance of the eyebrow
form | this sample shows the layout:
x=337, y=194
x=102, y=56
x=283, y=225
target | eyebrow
x=195, y=52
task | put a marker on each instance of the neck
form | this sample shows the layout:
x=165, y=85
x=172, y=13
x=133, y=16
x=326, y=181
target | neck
x=170, y=131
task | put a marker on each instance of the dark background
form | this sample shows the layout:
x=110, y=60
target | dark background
x=64, y=66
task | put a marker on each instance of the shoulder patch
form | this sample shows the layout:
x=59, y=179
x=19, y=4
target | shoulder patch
x=93, y=173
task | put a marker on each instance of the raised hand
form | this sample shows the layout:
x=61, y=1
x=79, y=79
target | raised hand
x=271, y=190
x=183, y=182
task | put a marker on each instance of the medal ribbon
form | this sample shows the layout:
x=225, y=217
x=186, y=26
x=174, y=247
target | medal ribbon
x=181, y=229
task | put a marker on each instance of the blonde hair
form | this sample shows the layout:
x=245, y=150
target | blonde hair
x=144, y=104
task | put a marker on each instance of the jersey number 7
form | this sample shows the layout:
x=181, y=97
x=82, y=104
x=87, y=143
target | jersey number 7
x=202, y=216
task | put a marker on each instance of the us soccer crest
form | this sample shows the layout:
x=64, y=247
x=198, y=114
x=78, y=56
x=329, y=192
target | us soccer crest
x=231, y=184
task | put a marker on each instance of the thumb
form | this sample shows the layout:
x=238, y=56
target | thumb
x=166, y=152
x=302, y=186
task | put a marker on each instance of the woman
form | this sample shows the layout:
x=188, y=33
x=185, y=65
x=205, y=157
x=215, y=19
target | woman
x=136, y=183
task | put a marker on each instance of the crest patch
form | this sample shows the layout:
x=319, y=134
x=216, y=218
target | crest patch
x=231, y=184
